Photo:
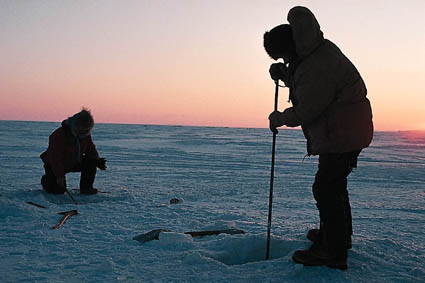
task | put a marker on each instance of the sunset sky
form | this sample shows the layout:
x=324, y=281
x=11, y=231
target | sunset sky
x=200, y=62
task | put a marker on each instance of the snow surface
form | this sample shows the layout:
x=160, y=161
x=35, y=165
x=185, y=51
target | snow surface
x=221, y=176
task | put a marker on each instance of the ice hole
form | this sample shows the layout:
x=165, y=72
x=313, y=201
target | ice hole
x=237, y=250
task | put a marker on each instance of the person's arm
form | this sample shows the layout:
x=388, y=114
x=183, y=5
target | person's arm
x=93, y=154
x=315, y=91
x=91, y=150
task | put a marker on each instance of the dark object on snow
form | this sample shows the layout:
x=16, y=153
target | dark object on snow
x=65, y=217
x=172, y=201
x=154, y=234
x=68, y=211
x=149, y=236
x=215, y=232
x=36, y=204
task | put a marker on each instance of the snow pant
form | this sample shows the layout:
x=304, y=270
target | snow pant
x=87, y=167
x=331, y=195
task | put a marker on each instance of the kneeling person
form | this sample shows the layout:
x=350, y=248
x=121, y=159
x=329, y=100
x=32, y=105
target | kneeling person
x=71, y=149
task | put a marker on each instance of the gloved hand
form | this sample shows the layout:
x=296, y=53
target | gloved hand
x=101, y=163
x=279, y=71
x=276, y=120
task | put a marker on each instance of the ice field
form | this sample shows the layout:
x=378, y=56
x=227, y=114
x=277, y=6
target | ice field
x=221, y=178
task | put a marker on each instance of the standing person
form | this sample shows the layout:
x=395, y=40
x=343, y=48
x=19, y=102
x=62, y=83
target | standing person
x=71, y=149
x=329, y=103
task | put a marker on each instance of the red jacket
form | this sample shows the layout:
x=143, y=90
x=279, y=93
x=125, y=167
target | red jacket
x=61, y=154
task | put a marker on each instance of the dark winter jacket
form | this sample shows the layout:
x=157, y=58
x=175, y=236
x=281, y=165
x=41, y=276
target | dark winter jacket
x=328, y=93
x=63, y=154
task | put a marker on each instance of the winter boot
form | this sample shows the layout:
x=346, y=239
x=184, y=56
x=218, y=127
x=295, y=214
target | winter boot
x=319, y=255
x=314, y=235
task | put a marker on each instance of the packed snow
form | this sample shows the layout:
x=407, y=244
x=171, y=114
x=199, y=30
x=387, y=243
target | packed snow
x=221, y=178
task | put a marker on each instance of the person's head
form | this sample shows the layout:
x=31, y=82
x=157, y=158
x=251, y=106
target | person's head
x=279, y=43
x=82, y=123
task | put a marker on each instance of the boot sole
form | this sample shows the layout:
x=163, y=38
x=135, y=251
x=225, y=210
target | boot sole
x=331, y=265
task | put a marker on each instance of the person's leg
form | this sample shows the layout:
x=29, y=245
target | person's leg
x=352, y=158
x=348, y=217
x=331, y=195
x=88, y=175
x=48, y=181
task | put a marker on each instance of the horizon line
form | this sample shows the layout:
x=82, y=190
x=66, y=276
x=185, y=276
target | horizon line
x=197, y=126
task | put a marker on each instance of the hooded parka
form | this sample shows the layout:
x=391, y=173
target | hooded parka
x=65, y=150
x=327, y=92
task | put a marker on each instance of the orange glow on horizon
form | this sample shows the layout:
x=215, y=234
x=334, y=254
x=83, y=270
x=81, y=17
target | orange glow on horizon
x=145, y=62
